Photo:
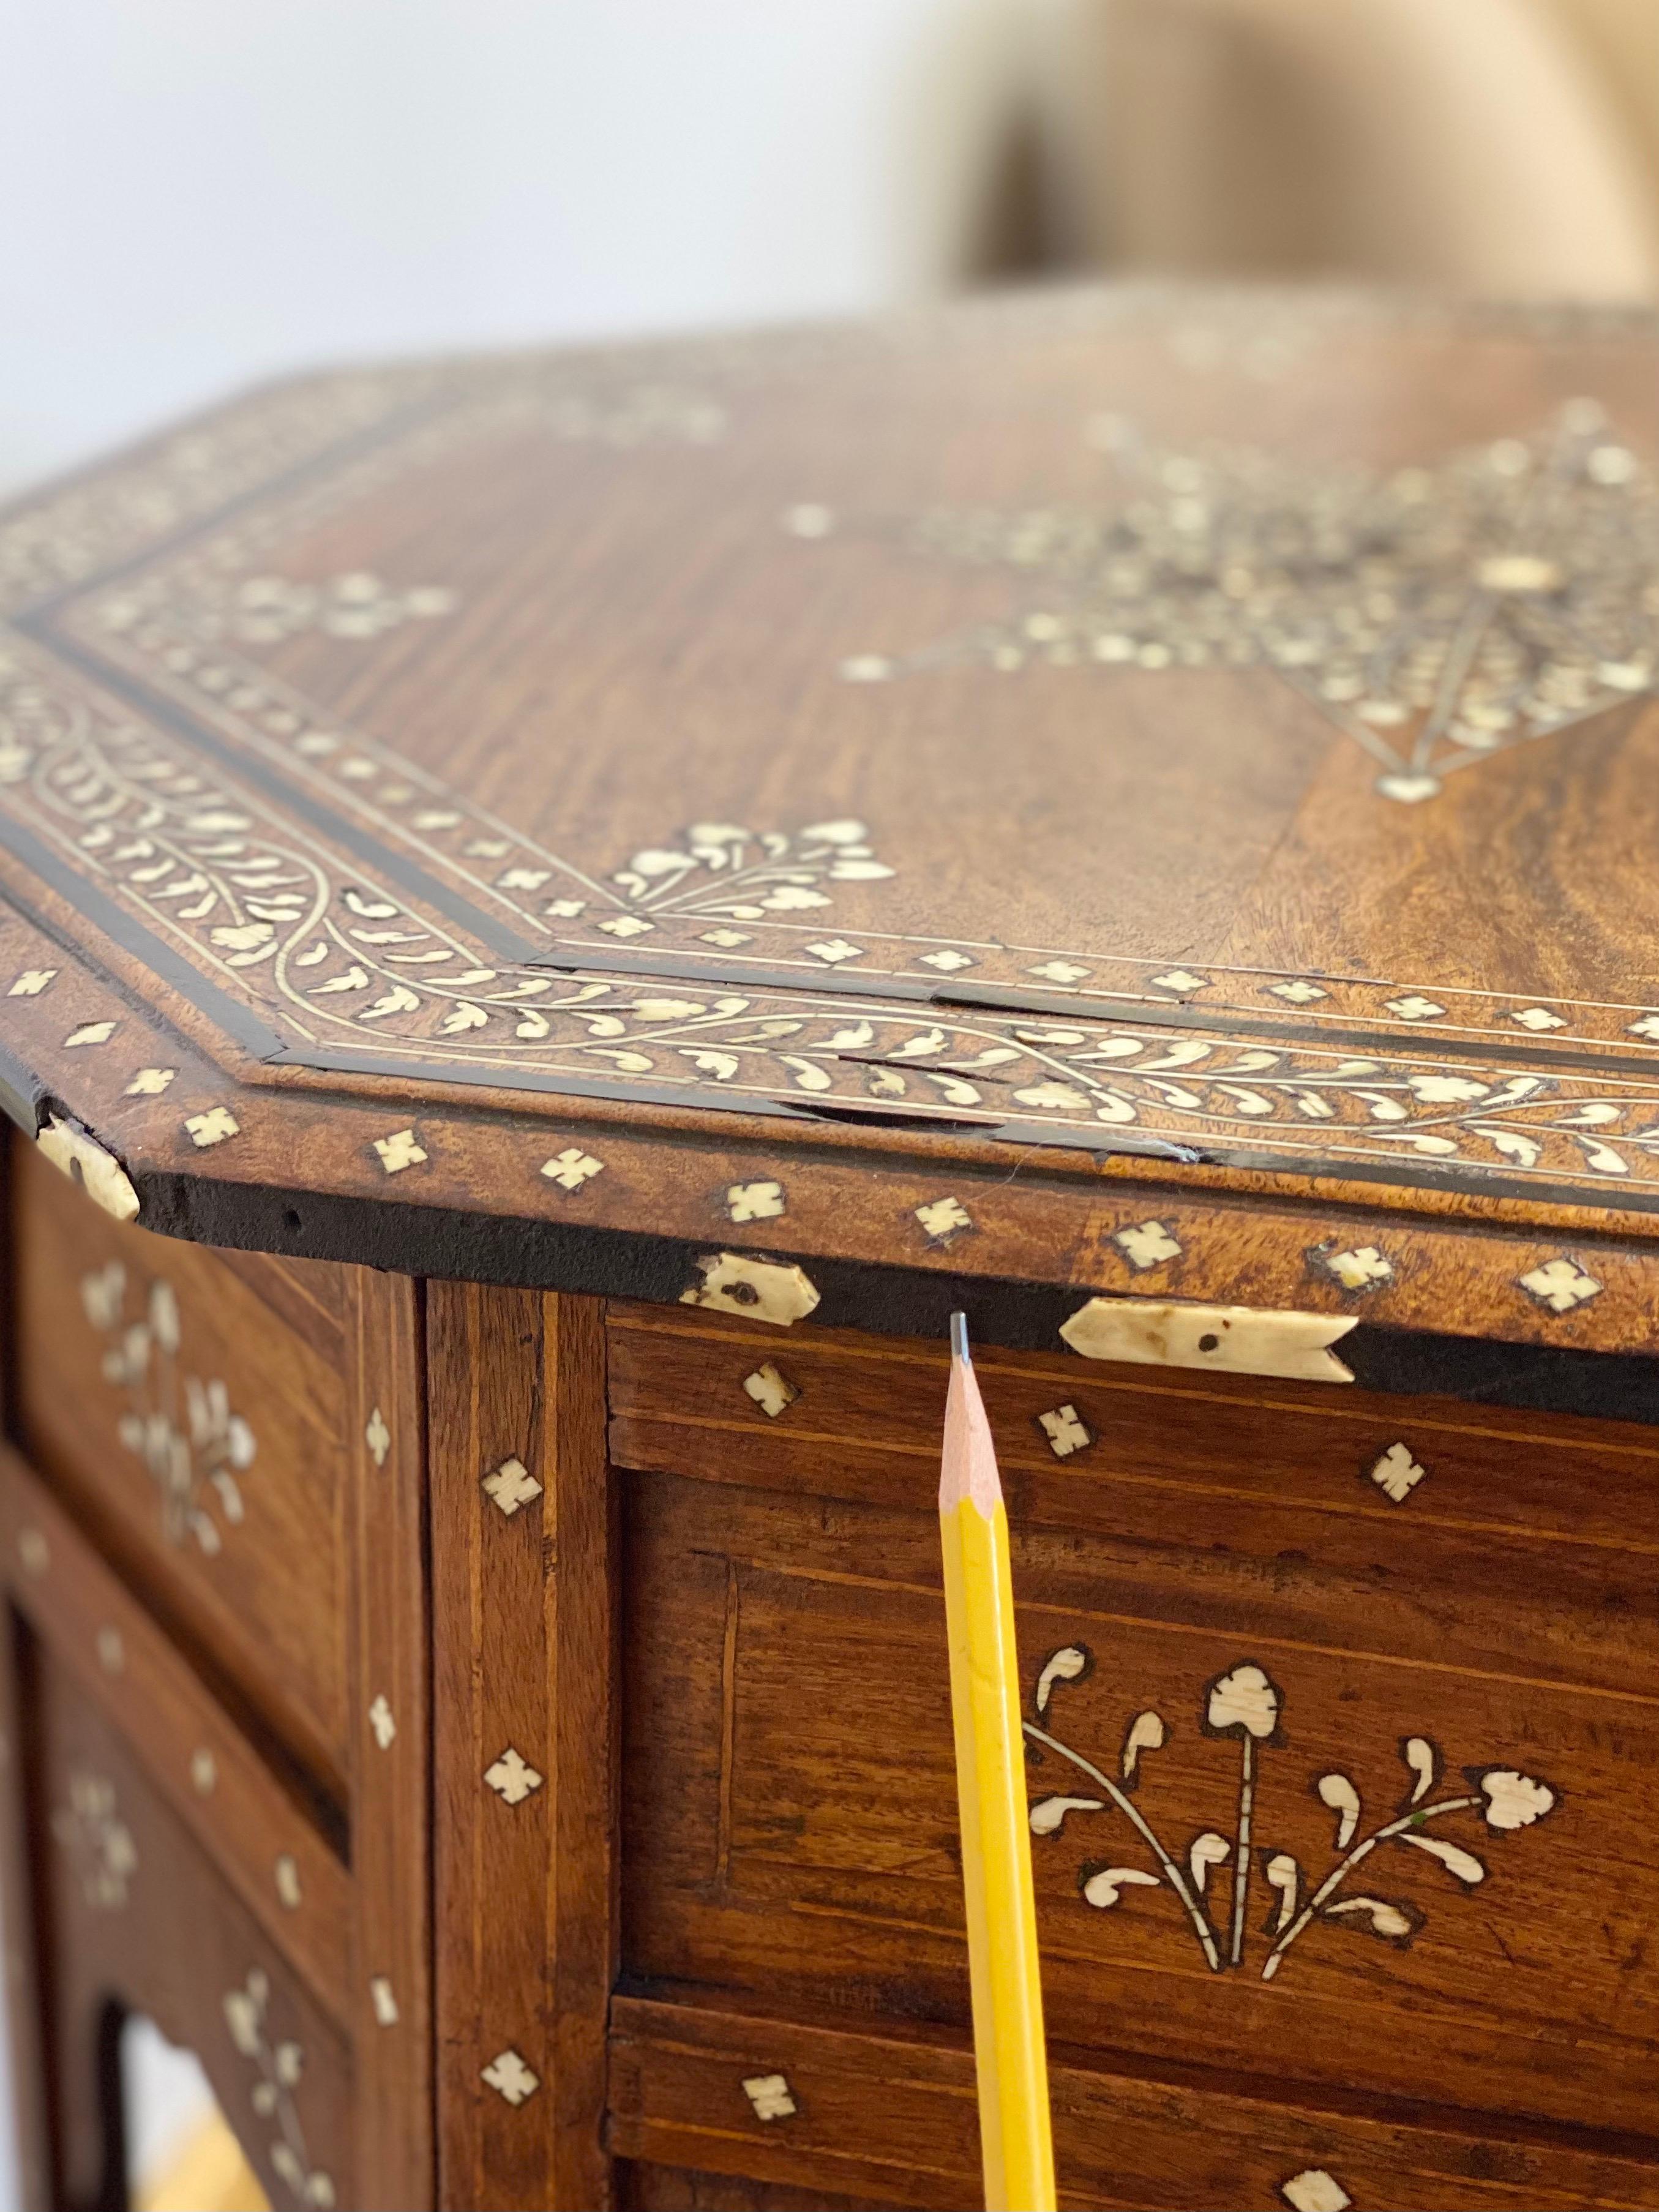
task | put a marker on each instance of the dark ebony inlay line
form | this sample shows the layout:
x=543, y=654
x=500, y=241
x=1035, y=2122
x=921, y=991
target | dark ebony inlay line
x=234, y=1016
x=414, y=879
x=1228, y=1021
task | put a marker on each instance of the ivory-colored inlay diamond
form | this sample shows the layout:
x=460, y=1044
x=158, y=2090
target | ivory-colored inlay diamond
x=1361, y=1269
x=385, y=2001
x=1065, y=1430
x=398, y=1150
x=944, y=1219
x=508, y=2074
x=1297, y=991
x=381, y=1720
x=1560, y=1285
x=90, y=1033
x=211, y=1127
x=572, y=1168
x=286, y=1874
x=378, y=1436
x=1396, y=1474
x=511, y=1485
x=770, y=2095
x=755, y=1202
x=1315, y=2191
x=772, y=1392
x=1147, y=1244
x=512, y=1776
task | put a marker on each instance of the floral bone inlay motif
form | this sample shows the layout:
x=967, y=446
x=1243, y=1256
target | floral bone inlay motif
x=280, y=2066
x=183, y=1428
x=98, y=1842
x=1438, y=615
x=1246, y=1704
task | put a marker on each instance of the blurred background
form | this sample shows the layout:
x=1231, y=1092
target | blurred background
x=196, y=194
x=199, y=195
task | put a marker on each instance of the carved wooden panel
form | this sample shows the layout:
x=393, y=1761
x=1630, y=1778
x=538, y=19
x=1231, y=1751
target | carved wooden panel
x=195, y=1403
x=1347, y=1791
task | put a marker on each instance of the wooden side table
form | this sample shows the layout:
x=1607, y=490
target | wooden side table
x=561, y=913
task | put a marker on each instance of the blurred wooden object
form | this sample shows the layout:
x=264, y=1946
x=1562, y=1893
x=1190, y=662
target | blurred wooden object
x=1504, y=147
x=208, y=2174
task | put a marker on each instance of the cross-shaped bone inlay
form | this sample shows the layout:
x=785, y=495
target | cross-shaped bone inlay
x=572, y=1168
x=772, y=1392
x=770, y=2095
x=398, y=1150
x=212, y=1126
x=508, y=2074
x=754, y=1202
x=1066, y=1431
x=512, y=1776
x=511, y=1485
x=1361, y=1269
x=1560, y=1285
x=944, y=1219
x=1147, y=1244
x=1396, y=1474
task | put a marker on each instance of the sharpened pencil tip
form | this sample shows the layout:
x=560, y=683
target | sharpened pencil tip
x=959, y=1338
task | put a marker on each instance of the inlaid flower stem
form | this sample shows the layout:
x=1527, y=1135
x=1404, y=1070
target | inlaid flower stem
x=1413, y=1820
x=1242, y=1858
x=1127, y=1805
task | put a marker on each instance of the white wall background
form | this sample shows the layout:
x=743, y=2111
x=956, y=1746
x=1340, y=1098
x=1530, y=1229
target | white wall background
x=196, y=193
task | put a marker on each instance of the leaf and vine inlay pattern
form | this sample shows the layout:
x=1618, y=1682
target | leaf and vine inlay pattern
x=340, y=960
x=193, y=1444
x=1245, y=1703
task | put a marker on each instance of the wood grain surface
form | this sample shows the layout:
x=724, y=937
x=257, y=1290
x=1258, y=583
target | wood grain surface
x=1023, y=754
x=788, y=1811
x=524, y=1723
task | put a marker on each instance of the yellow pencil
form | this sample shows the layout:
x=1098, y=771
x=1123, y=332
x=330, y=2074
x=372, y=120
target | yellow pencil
x=1009, y=2055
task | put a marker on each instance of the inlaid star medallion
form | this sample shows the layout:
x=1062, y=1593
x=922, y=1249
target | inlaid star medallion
x=1436, y=614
